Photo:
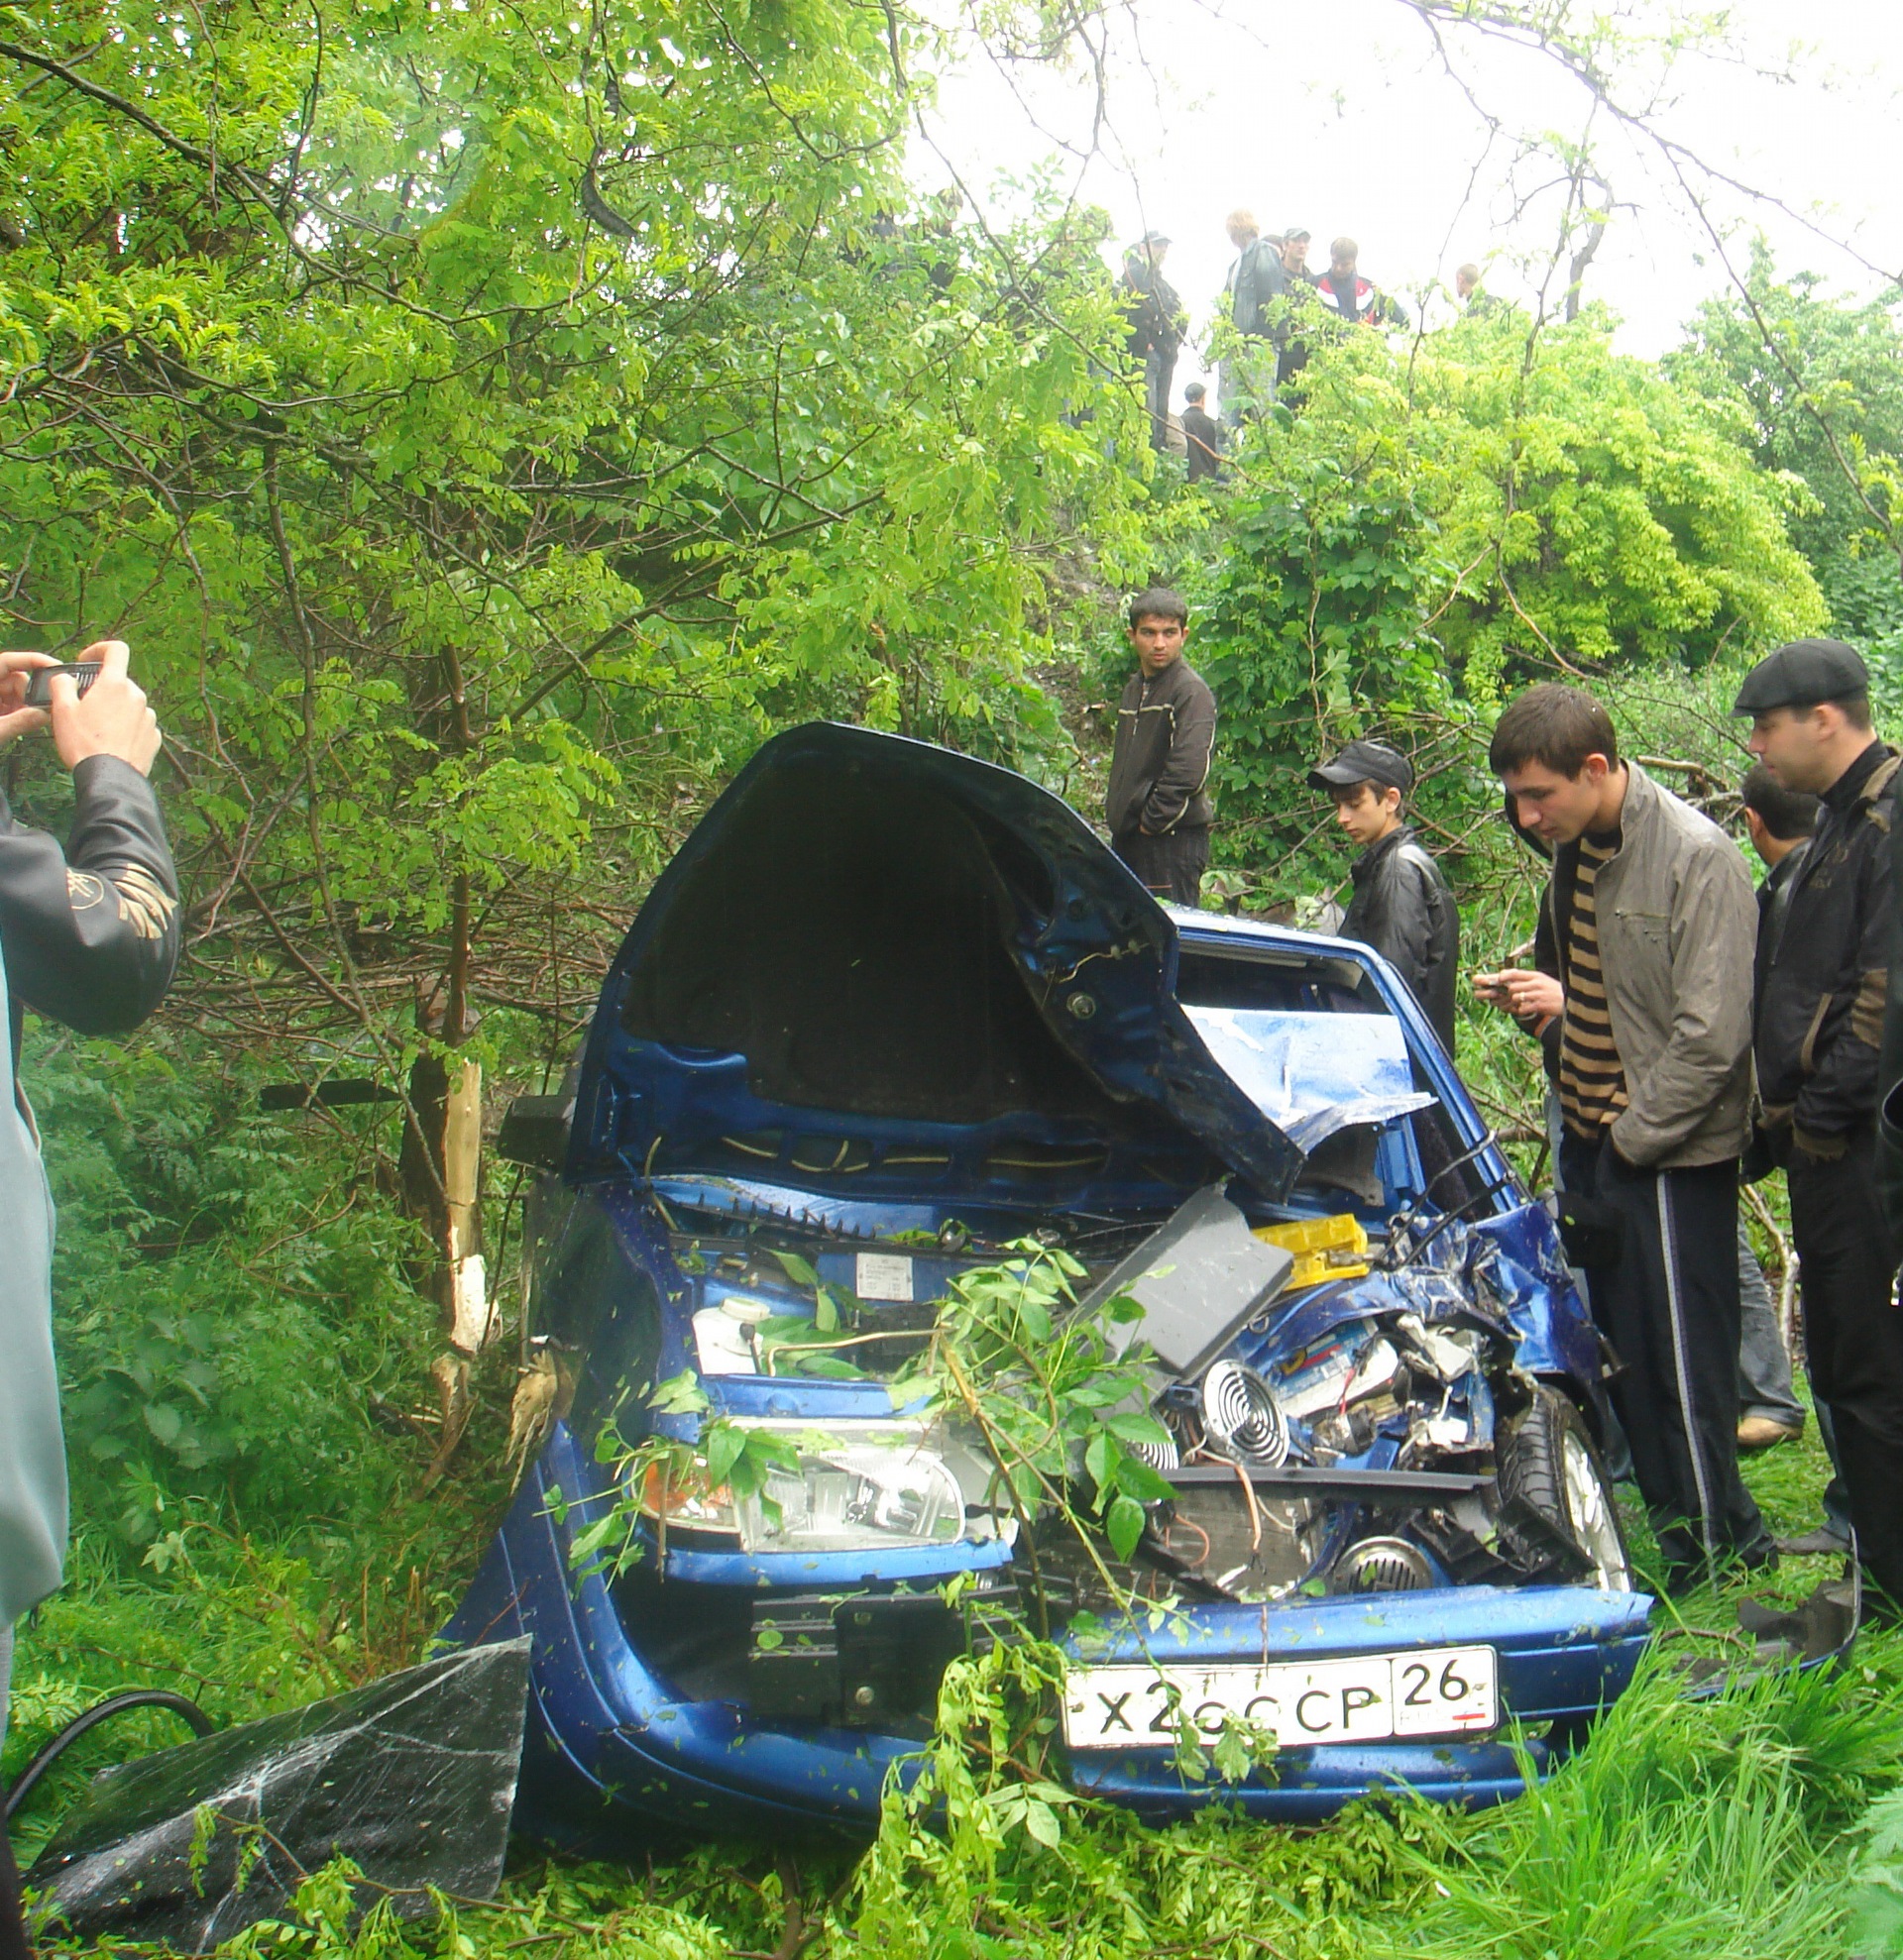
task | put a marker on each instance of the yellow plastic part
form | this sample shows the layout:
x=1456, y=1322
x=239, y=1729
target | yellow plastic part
x=1324, y=1247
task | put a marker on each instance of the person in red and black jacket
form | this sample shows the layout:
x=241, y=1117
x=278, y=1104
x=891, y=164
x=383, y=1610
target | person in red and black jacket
x=1355, y=299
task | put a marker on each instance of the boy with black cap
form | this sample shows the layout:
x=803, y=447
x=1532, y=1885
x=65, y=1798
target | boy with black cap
x=1401, y=905
x=1821, y=980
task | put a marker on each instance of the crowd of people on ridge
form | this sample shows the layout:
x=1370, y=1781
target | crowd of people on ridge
x=1266, y=292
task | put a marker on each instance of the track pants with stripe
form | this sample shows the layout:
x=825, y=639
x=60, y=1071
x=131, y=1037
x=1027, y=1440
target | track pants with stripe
x=1668, y=1302
x=1854, y=1335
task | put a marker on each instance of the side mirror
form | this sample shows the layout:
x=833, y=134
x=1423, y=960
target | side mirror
x=534, y=1132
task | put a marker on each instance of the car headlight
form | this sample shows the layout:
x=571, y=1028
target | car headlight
x=853, y=1491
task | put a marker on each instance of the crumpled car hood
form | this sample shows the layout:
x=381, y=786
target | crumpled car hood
x=871, y=947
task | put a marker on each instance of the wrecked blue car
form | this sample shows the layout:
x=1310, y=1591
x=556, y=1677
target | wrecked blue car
x=889, y=1011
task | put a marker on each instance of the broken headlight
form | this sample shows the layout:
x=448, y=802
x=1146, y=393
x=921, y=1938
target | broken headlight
x=852, y=1490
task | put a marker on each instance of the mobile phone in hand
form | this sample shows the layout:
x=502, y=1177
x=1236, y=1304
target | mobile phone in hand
x=40, y=685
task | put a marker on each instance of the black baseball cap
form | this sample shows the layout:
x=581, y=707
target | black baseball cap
x=1802, y=673
x=1364, y=762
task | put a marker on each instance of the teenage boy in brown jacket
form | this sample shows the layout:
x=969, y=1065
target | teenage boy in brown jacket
x=1157, y=807
x=1647, y=943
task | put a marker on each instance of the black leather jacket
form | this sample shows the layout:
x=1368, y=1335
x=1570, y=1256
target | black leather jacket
x=90, y=934
x=1403, y=908
x=1889, y=1074
x=1823, y=974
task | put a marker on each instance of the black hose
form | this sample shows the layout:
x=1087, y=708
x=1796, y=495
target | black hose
x=50, y=1751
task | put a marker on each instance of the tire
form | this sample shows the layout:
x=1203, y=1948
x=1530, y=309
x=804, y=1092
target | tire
x=1556, y=1504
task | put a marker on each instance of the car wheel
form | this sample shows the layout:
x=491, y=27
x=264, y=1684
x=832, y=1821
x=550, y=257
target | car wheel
x=1548, y=1466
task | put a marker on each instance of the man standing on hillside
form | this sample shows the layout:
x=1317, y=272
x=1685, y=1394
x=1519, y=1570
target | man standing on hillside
x=1201, y=435
x=1155, y=320
x=1157, y=807
x=1255, y=282
x=1647, y=931
x=1291, y=354
x=89, y=936
x=1779, y=821
x=1355, y=299
x=1822, y=982
x=1401, y=905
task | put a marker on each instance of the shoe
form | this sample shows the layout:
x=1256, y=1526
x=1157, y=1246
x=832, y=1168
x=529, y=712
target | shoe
x=1818, y=1544
x=1762, y=1432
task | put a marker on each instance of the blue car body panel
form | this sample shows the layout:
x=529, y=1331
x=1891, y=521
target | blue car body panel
x=610, y=1743
x=665, y=1126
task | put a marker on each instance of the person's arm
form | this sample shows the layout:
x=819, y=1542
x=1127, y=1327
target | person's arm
x=1712, y=936
x=1191, y=745
x=1407, y=935
x=1840, y=1085
x=91, y=934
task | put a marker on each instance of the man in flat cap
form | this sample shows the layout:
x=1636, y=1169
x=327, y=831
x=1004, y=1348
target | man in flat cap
x=1821, y=980
x=1401, y=905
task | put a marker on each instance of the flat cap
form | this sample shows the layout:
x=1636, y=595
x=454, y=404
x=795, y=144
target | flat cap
x=1292, y=232
x=1364, y=762
x=1801, y=675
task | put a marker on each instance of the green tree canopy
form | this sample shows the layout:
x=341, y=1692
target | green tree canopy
x=1441, y=521
x=486, y=420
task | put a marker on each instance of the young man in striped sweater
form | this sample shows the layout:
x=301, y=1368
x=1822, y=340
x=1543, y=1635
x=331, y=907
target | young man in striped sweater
x=1644, y=999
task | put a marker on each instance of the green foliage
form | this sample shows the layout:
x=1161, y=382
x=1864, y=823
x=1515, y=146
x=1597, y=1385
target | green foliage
x=1816, y=388
x=1681, y=1831
x=487, y=421
x=1420, y=535
x=229, y=1296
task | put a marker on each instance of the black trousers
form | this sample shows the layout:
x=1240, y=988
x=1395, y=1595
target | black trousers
x=1170, y=864
x=1667, y=1300
x=13, y=1928
x=1853, y=1335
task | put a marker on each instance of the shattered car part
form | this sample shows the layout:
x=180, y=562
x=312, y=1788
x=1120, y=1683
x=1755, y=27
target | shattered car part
x=1199, y=1281
x=411, y=1777
x=889, y=1014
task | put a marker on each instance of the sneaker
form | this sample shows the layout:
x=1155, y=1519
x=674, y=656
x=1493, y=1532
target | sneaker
x=1762, y=1432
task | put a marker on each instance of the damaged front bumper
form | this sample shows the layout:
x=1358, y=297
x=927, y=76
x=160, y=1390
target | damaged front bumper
x=614, y=1734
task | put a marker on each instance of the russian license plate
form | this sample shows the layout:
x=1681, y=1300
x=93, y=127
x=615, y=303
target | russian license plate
x=1442, y=1690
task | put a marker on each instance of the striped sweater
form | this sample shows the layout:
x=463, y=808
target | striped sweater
x=1592, y=1078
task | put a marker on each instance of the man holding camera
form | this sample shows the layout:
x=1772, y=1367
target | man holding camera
x=88, y=936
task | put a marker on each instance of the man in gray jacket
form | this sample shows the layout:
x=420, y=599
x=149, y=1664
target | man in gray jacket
x=1157, y=807
x=1646, y=949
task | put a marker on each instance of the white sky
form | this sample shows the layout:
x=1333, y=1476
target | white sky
x=1337, y=115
